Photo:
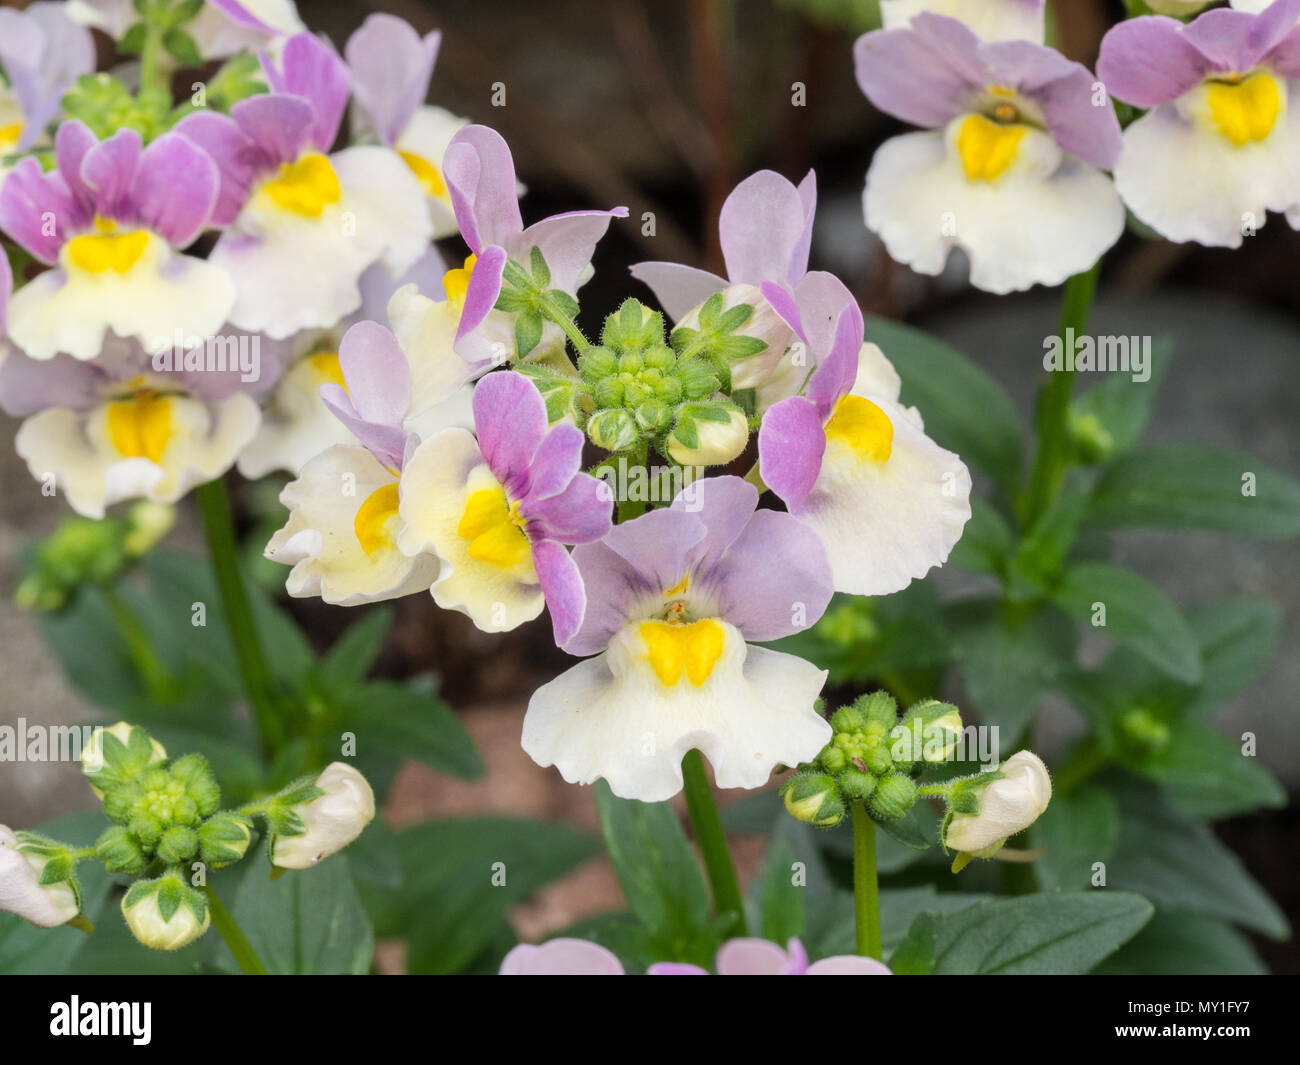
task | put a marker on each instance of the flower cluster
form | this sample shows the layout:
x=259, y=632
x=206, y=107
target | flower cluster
x=1011, y=166
x=168, y=831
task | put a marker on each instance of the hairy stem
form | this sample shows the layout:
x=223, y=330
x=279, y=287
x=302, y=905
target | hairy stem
x=245, y=956
x=866, y=884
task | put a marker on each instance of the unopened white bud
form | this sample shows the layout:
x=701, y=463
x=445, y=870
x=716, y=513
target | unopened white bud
x=1007, y=806
x=21, y=890
x=333, y=820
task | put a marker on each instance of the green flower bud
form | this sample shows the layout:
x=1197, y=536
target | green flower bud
x=224, y=839
x=699, y=378
x=118, y=754
x=832, y=759
x=705, y=441
x=147, y=523
x=147, y=829
x=857, y=786
x=929, y=732
x=633, y=327
x=848, y=719
x=120, y=851
x=595, y=364
x=630, y=362
x=669, y=389
x=608, y=392
x=165, y=914
x=879, y=709
x=196, y=775
x=895, y=794
x=653, y=415
x=814, y=799
x=178, y=844
x=877, y=759
x=660, y=357
x=613, y=430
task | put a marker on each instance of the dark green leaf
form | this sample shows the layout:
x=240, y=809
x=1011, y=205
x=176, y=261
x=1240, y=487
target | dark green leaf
x=396, y=717
x=1185, y=944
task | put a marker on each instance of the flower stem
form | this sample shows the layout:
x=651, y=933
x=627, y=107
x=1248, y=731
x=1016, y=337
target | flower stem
x=1053, y=412
x=152, y=78
x=245, y=957
x=220, y=530
x=866, y=885
x=634, y=508
x=713, y=843
x=555, y=314
x=156, y=679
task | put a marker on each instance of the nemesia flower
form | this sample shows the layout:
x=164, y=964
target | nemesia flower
x=761, y=957
x=765, y=229
x=21, y=890
x=560, y=957
x=498, y=509
x=1220, y=145
x=304, y=226
x=331, y=821
x=849, y=460
x=672, y=599
x=115, y=428
x=480, y=174
x=1009, y=167
x=110, y=220
x=165, y=914
x=342, y=534
x=1007, y=806
x=220, y=29
x=391, y=68
x=991, y=20
x=42, y=53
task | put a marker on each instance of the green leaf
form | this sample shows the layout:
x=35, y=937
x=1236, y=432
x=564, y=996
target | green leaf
x=1137, y=614
x=1208, y=775
x=1238, y=638
x=1185, y=944
x=1178, y=864
x=1038, y=935
x=182, y=47
x=659, y=875
x=350, y=658
x=1075, y=831
x=782, y=904
x=1114, y=413
x=461, y=877
x=528, y=332
x=1009, y=660
x=417, y=724
x=308, y=921
x=1039, y=557
x=914, y=956
x=1187, y=486
x=540, y=271
x=964, y=408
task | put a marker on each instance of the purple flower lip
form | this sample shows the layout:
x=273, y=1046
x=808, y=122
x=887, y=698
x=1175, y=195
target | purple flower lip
x=1154, y=59
x=169, y=188
x=937, y=69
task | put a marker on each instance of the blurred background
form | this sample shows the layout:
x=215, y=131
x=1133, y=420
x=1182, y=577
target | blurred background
x=663, y=107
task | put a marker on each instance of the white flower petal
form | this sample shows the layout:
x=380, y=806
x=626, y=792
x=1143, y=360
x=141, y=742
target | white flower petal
x=68, y=309
x=611, y=717
x=78, y=451
x=426, y=332
x=426, y=137
x=296, y=424
x=991, y=20
x=320, y=538
x=887, y=523
x=438, y=480
x=301, y=272
x=1189, y=183
x=1048, y=217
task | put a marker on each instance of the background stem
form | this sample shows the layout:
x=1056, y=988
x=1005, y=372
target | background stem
x=1052, y=419
x=220, y=530
x=712, y=843
x=245, y=956
x=866, y=885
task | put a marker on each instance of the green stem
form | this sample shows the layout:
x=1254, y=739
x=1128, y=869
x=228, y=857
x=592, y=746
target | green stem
x=152, y=79
x=245, y=957
x=634, y=508
x=220, y=529
x=553, y=313
x=1052, y=419
x=712, y=842
x=155, y=676
x=866, y=885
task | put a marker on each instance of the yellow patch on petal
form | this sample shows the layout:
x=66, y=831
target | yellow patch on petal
x=1245, y=110
x=494, y=529
x=325, y=366
x=427, y=174
x=692, y=649
x=106, y=249
x=987, y=149
x=9, y=136
x=306, y=186
x=863, y=426
x=141, y=426
x=374, y=521
x=455, y=283
x=679, y=588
